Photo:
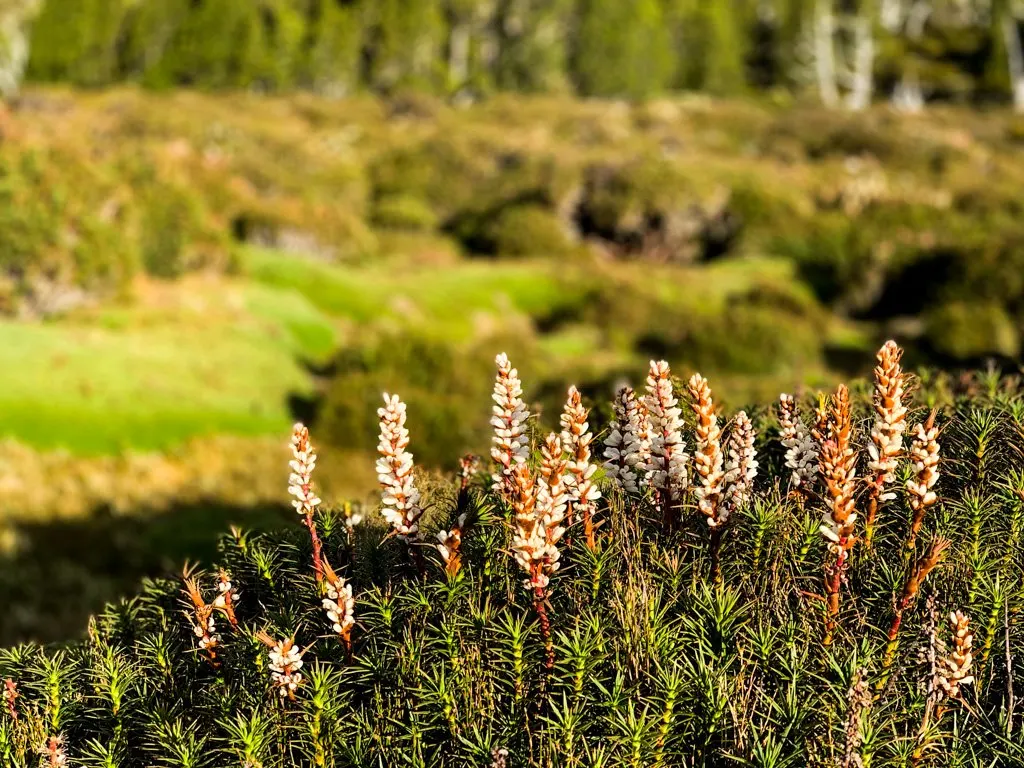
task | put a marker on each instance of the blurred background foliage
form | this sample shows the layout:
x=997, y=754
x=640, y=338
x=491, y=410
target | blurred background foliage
x=220, y=216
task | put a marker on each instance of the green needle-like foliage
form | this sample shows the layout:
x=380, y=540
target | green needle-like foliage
x=655, y=662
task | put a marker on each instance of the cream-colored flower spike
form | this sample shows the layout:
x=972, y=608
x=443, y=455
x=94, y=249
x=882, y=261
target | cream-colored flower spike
x=707, y=458
x=666, y=471
x=576, y=439
x=801, y=447
x=886, y=444
x=510, y=443
x=890, y=416
x=302, y=465
x=740, y=466
x=627, y=450
x=955, y=668
x=339, y=604
x=285, y=662
x=924, y=453
x=400, y=497
x=449, y=545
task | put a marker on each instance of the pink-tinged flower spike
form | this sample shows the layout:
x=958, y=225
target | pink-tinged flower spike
x=924, y=453
x=707, y=458
x=201, y=618
x=886, y=444
x=540, y=511
x=53, y=752
x=666, y=471
x=740, y=466
x=285, y=662
x=227, y=597
x=300, y=486
x=838, y=467
x=576, y=439
x=10, y=697
x=450, y=546
x=511, y=446
x=469, y=466
x=340, y=606
x=395, y=471
x=627, y=449
x=801, y=447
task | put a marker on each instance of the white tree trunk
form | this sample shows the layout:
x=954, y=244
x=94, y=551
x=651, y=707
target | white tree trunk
x=891, y=14
x=458, y=55
x=863, y=83
x=14, y=48
x=1015, y=60
x=824, y=53
x=908, y=96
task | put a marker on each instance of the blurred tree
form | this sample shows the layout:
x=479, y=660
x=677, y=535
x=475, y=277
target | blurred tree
x=622, y=47
x=727, y=28
x=712, y=41
x=532, y=38
x=1004, y=68
x=845, y=50
x=209, y=46
x=15, y=17
x=332, y=46
x=405, y=40
x=996, y=79
x=76, y=40
x=864, y=22
x=472, y=43
x=792, y=20
x=150, y=30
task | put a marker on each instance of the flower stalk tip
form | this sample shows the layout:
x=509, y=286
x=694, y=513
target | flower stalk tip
x=801, y=447
x=285, y=661
x=511, y=445
x=627, y=449
x=300, y=485
x=886, y=444
x=400, y=497
x=575, y=440
x=666, y=472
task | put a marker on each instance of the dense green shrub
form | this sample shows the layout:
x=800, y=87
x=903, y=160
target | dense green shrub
x=516, y=230
x=967, y=332
x=440, y=379
x=168, y=223
x=404, y=212
x=61, y=225
x=529, y=230
x=655, y=643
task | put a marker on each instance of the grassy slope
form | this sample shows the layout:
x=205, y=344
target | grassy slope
x=224, y=356
x=192, y=359
x=218, y=355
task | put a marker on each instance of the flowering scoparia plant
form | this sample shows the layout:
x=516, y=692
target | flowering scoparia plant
x=399, y=494
x=285, y=661
x=511, y=444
